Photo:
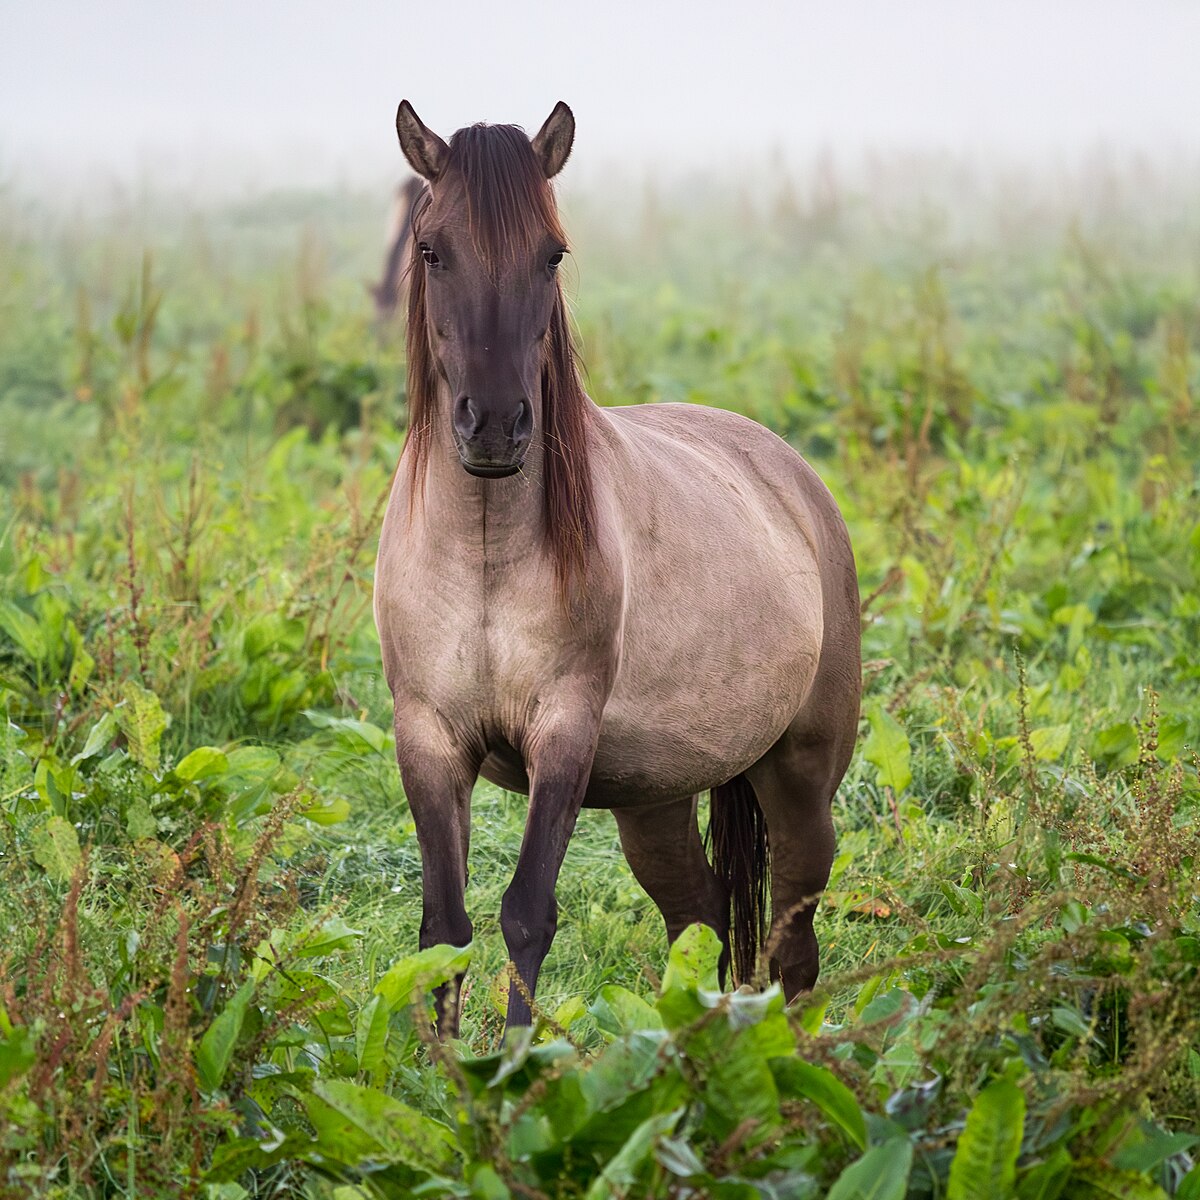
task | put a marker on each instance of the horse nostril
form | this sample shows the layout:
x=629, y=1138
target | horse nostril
x=523, y=425
x=467, y=419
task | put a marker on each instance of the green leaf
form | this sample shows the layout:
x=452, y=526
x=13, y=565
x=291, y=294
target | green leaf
x=142, y=720
x=329, y=937
x=1158, y=1146
x=327, y=811
x=692, y=961
x=18, y=1051
x=370, y=1035
x=56, y=848
x=270, y=631
x=82, y=663
x=407, y=980
x=800, y=1079
x=1050, y=742
x=887, y=749
x=1046, y=1180
x=354, y=735
x=1107, y=1183
x=1189, y=1187
x=98, y=738
x=139, y=820
x=625, y=1168
x=23, y=630
x=881, y=1173
x=356, y=1123
x=618, y=1010
x=486, y=1184
x=201, y=763
x=985, y=1161
x=216, y=1046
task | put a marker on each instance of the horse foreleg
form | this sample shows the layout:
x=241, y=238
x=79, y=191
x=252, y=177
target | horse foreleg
x=663, y=848
x=439, y=796
x=559, y=765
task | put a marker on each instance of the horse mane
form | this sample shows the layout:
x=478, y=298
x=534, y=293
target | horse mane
x=510, y=209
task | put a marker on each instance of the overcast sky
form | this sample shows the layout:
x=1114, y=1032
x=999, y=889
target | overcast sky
x=300, y=90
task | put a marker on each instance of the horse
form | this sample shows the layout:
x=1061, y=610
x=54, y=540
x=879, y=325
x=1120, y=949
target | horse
x=388, y=293
x=606, y=607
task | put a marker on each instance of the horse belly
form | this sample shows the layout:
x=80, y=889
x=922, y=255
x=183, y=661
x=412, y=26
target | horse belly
x=693, y=718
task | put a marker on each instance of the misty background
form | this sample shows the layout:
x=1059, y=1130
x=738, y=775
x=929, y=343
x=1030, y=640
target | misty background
x=228, y=96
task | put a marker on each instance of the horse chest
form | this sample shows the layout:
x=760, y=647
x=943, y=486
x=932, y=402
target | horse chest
x=484, y=647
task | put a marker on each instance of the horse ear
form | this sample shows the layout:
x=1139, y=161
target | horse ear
x=425, y=151
x=553, y=142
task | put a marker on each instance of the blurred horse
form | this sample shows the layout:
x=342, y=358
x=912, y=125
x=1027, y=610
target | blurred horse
x=389, y=292
x=619, y=607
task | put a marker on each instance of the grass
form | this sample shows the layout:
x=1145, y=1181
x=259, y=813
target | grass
x=196, y=772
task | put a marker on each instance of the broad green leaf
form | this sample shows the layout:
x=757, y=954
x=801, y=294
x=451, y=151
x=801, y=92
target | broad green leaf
x=329, y=937
x=330, y=811
x=692, y=960
x=964, y=901
x=201, y=763
x=1157, y=1146
x=887, y=749
x=233, y=1159
x=216, y=1046
x=1107, y=1183
x=798, y=1078
x=739, y=1086
x=1189, y=1187
x=56, y=848
x=1050, y=742
x=486, y=1184
x=142, y=720
x=270, y=631
x=628, y=1065
x=82, y=663
x=407, y=980
x=1117, y=745
x=355, y=735
x=55, y=784
x=881, y=1174
x=370, y=1034
x=98, y=738
x=626, y=1167
x=618, y=1010
x=139, y=820
x=23, y=630
x=1046, y=1180
x=18, y=1051
x=985, y=1161
x=354, y=1123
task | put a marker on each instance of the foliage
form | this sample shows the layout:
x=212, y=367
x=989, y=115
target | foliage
x=209, y=877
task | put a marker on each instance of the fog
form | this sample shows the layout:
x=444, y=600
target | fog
x=221, y=93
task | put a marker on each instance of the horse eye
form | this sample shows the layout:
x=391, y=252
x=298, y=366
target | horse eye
x=555, y=259
x=431, y=259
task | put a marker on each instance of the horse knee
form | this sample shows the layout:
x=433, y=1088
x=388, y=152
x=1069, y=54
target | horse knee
x=527, y=922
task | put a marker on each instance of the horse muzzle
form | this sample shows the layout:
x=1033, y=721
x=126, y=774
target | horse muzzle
x=492, y=445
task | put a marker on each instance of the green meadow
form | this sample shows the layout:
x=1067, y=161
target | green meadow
x=209, y=879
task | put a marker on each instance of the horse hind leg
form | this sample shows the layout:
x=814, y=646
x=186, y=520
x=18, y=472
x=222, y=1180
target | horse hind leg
x=795, y=782
x=663, y=848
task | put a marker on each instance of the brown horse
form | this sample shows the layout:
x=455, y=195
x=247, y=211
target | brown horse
x=617, y=608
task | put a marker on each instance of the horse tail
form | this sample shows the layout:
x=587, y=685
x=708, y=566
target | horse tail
x=737, y=834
